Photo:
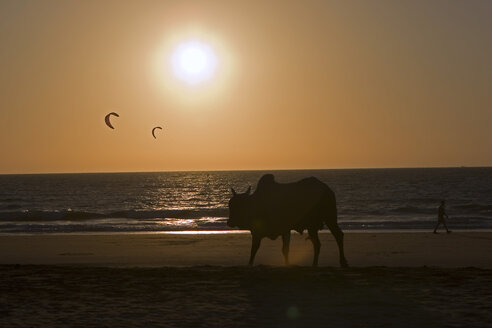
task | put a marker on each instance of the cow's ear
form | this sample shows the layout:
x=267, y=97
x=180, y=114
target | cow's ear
x=233, y=192
x=248, y=191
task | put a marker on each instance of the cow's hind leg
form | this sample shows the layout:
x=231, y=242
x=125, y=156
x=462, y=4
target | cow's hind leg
x=285, y=246
x=255, y=244
x=338, y=234
x=313, y=235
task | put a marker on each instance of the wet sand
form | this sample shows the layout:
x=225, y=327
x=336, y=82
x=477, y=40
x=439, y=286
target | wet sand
x=458, y=249
x=172, y=280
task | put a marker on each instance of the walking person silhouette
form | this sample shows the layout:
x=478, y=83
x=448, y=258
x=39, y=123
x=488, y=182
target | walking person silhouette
x=441, y=213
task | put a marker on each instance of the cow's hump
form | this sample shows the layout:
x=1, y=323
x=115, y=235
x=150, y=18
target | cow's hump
x=265, y=181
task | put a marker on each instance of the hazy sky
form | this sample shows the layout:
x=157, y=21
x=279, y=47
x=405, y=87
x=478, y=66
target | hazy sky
x=298, y=84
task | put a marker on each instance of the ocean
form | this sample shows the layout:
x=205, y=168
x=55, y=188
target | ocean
x=367, y=199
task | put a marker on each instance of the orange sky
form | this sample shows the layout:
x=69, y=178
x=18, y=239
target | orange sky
x=312, y=84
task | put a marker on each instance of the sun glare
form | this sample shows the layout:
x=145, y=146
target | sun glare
x=193, y=66
x=194, y=62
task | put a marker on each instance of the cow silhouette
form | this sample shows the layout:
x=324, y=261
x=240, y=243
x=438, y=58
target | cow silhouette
x=274, y=209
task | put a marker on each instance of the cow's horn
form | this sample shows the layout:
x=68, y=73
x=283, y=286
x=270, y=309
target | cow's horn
x=233, y=192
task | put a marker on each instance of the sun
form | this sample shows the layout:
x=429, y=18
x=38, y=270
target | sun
x=193, y=66
x=194, y=62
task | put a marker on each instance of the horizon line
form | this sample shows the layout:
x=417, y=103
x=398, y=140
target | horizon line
x=252, y=170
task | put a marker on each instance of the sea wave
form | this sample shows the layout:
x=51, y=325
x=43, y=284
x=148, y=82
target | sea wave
x=475, y=207
x=412, y=210
x=216, y=223
x=115, y=225
x=465, y=222
x=10, y=200
x=53, y=215
x=10, y=207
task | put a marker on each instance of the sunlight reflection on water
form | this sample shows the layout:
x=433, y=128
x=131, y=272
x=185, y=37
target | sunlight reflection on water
x=203, y=232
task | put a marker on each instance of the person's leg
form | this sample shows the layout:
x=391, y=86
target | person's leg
x=437, y=225
x=445, y=226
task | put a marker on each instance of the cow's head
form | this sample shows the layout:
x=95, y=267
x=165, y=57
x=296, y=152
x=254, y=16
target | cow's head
x=240, y=209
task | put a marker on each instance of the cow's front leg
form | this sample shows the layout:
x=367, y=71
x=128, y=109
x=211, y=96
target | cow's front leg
x=254, y=248
x=285, y=246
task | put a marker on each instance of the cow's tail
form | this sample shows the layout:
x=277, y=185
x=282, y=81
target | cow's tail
x=332, y=222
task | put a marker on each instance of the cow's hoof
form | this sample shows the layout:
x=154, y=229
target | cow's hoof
x=344, y=264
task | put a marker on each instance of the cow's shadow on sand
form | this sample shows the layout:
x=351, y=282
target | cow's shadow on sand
x=305, y=297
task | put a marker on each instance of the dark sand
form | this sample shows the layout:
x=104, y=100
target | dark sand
x=152, y=281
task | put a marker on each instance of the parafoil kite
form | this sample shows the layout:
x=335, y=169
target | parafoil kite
x=108, y=122
x=153, y=131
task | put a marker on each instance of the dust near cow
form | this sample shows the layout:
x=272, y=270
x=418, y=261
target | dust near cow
x=274, y=209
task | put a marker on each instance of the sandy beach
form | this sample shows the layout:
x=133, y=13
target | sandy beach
x=406, y=249
x=200, y=280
